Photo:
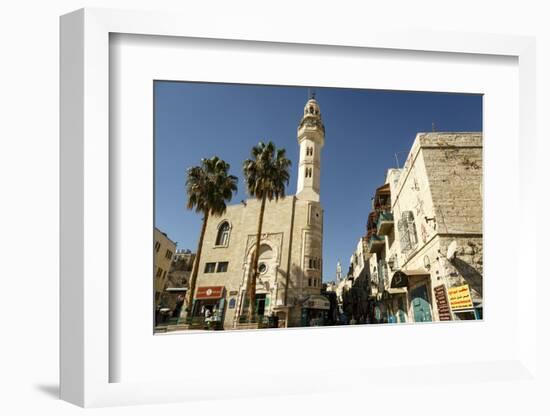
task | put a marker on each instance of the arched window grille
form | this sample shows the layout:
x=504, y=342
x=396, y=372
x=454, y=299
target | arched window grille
x=223, y=234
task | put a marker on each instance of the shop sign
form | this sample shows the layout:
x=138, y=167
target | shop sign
x=443, y=309
x=460, y=298
x=209, y=292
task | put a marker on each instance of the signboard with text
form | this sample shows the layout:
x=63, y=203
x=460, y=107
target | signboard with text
x=443, y=309
x=209, y=292
x=459, y=297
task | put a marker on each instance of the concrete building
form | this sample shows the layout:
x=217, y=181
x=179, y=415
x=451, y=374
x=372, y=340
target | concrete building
x=425, y=234
x=291, y=247
x=163, y=250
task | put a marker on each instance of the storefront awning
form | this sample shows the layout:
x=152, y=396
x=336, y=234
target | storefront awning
x=401, y=277
x=176, y=289
x=317, y=302
x=397, y=290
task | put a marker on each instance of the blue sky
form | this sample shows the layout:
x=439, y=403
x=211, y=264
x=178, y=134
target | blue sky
x=364, y=131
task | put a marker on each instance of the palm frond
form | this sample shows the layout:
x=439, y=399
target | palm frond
x=209, y=187
x=267, y=172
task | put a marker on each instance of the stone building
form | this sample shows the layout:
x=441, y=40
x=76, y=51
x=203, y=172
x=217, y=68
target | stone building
x=163, y=250
x=356, y=290
x=177, y=281
x=291, y=255
x=426, y=239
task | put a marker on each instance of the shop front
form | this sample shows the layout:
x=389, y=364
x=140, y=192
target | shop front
x=462, y=304
x=209, y=307
x=417, y=282
x=315, y=311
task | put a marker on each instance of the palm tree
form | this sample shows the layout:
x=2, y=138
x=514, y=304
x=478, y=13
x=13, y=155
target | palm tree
x=266, y=175
x=209, y=187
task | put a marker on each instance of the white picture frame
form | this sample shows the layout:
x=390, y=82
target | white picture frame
x=86, y=351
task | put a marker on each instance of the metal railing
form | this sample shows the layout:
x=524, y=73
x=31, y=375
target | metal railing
x=384, y=216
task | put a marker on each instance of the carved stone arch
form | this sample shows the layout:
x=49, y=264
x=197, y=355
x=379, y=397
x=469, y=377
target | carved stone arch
x=224, y=232
x=263, y=242
x=225, y=220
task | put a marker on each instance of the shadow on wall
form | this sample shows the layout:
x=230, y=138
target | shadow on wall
x=470, y=274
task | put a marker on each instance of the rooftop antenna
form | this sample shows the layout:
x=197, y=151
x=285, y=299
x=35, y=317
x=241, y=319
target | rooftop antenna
x=396, y=155
x=311, y=93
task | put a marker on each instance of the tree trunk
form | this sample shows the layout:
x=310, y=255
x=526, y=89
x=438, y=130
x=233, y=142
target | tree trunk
x=195, y=270
x=254, y=269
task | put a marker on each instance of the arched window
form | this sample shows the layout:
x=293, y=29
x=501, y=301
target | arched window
x=223, y=234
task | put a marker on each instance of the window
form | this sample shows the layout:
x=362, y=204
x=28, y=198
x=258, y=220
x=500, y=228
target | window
x=407, y=231
x=223, y=234
x=157, y=246
x=159, y=271
x=222, y=266
x=309, y=282
x=262, y=268
x=209, y=267
x=309, y=151
x=311, y=263
x=169, y=254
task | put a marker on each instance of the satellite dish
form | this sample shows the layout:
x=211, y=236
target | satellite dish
x=451, y=250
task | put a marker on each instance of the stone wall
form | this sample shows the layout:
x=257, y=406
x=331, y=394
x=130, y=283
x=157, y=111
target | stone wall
x=301, y=241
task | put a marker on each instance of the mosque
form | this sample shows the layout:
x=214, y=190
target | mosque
x=291, y=248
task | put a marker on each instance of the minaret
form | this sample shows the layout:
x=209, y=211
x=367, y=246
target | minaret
x=338, y=272
x=311, y=138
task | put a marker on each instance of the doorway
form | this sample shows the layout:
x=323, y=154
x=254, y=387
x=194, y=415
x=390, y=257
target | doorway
x=260, y=304
x=420, y=304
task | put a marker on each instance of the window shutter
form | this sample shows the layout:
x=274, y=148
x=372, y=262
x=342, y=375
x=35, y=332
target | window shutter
x=411, y=228
x=403, y=230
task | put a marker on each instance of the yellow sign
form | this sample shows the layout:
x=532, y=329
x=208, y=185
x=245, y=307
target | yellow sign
x=459, y=297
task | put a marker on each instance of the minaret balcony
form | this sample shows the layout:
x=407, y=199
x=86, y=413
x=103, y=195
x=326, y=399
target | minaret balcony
x=384, y=225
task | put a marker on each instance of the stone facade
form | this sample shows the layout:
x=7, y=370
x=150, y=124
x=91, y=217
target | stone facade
x=437, y=203
x=163, y=250
x=426, y=239
x=291, y=247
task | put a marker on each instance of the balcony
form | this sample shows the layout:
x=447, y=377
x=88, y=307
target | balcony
x=376, y=243
x=384, y=224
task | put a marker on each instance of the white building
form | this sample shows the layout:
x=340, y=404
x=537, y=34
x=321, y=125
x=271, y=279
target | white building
x=425, y=236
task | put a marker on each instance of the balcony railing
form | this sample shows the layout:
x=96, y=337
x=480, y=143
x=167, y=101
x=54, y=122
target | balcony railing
x=384, y=224
x=376, y=242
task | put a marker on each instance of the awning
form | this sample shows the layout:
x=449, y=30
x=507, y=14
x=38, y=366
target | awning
x=397, y=291
x=176, y=289
x=383, y=189
x=317, y=302
x=401, y=277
